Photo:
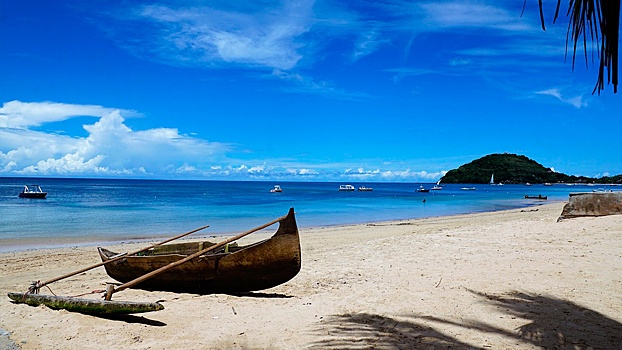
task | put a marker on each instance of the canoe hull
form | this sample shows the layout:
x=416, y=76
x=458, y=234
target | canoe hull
x=258, y=266
x=86, y=306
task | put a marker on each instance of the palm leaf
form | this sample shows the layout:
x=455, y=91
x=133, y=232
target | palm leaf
x=600, y=21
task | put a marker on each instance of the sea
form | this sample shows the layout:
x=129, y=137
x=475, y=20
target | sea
x=80, y=212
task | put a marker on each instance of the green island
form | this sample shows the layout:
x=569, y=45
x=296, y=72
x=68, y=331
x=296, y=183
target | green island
x=515, y=169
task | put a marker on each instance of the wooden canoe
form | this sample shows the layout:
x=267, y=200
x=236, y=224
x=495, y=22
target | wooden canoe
x=85, y=306
x=231, y=268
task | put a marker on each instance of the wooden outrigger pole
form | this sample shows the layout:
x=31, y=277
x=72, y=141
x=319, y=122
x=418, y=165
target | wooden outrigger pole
x=38, y=285
x=89, y=306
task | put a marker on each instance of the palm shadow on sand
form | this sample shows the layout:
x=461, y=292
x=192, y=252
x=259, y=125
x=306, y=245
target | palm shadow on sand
x=551, y=323
x=260, y=295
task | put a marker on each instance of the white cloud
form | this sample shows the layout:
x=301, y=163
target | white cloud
x=472, y=14
x=413, y=175
x=368, y=43
x=262, y=36
x=111, y=147
x=300, y=83
x=17, y=114
x=576, y=101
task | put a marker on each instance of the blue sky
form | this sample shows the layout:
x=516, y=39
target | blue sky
x=294, y=90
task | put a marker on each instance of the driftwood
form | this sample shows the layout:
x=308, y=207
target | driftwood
x=85, y=306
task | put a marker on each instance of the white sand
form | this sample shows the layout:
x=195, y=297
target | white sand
x=515, y=279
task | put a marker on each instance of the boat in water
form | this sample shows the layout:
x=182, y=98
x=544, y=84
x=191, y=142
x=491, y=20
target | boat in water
x=540, y=197
x=346, y=188
x=229, y=268
x=468, y=188
x=422, y=189
x=365, y=189
x=32, y=191
x=276, y=189
x=437, y=187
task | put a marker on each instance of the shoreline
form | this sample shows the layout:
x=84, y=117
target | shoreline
x=10, y=245
x=506, y=279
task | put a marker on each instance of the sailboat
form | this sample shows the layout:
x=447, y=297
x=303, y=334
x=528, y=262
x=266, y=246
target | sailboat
x=492, y=180
x=437, y=186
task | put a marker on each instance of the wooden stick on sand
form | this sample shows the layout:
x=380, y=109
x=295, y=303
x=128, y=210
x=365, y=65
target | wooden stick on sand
x=38, y=285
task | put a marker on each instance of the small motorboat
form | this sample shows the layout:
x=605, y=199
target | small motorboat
x=33, y=191
x=276, y=189
x=346, y=188
x=468, y=188
x=422, y=189
x=365, y=189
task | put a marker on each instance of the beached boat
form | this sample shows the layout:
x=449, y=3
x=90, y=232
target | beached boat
x=230, y=268
x=365, y=189
x=541, y=197
x=422, y=189
x=346, y=188
x=32, y=191
x=276, y=189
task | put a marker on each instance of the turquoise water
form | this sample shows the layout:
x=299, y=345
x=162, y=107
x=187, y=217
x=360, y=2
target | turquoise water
x=81, y=211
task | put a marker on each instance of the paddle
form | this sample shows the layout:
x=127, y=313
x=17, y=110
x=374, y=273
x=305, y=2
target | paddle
x=111, y=290
x=37, y=285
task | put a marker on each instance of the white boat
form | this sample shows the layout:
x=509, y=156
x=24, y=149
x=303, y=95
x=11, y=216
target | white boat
x=34, y=191
x=468, y=188
x=600, y=189
x=276, y=188
x=365, y=189
x=346, y=188
x=492, y=180
x=437, y=187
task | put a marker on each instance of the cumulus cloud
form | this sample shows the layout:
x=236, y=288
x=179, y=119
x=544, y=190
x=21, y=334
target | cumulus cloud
x=111, y=147
x=413, y=175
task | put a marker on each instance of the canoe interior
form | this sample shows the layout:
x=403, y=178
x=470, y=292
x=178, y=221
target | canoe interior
x=231, y=268
x=85, y=306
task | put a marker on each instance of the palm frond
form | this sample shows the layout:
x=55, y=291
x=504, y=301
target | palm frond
x=598, y=21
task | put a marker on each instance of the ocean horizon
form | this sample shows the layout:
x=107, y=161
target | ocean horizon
x=79, y=211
